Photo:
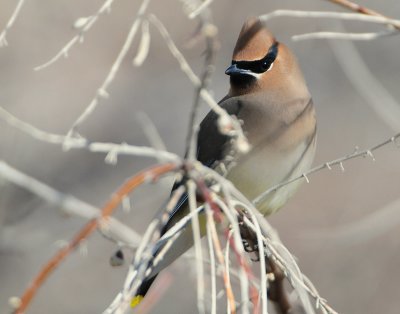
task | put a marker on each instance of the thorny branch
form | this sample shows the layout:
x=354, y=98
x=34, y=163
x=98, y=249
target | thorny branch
x=328, y=165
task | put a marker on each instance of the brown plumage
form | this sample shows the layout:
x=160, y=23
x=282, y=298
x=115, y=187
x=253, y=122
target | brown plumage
x=269, y=94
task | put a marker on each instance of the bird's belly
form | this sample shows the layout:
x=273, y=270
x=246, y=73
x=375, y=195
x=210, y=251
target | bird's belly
x=268, y=167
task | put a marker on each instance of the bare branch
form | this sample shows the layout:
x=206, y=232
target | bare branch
x=209, y=31
x=88, y=229
x=339, y=161
x=330, y=15
x=345, y=36
x=191, y=188
x=102, y=90
x=212, y=264
x=228, y=124
x=150, y=131
x=113, y=150
x=70, y=205
x=3, y=40
x=200, y=9
x=144, y=46
x=85, y=26
x=361, y=9
x=370, y=88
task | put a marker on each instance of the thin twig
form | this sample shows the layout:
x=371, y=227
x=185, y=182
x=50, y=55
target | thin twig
x=209, y=32
x=139, y=269
x=227, y=206
x=221, y=260
x=230, y=213
x=150, y=130
x=144, y=45
x=329, y=15
x=345, y=36
x=89, y=22
x=102, y=90
x=3, y=40
x=191, y=188
x=369, y=88
x=229, y=124
x=113, y=150
x=69, y=204
x=200, y=9
x=269, y=237
x=212, y=263
x=339, y=161
x=88, y=229
x=228, y=266
x=361, y=9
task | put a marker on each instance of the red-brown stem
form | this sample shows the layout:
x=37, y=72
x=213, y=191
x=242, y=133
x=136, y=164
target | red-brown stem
x=89, y=228
x=217, y=214
x=358, y=8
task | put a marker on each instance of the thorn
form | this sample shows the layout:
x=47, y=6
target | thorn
x=210, y=30
x=395, y=140
x=103, y=93
x=305, y=177
x=242, y=145
x=224, y=123
x=61, y=244
x=220, y=294
x=104, y=224
x=112, y=157
x=341, y=166
x=14, y=302
x=83, y=248
x=369, y=153
x=126, y=204
x=149, y=177
x=81, y=22
x=271, y=277
x=328, y=166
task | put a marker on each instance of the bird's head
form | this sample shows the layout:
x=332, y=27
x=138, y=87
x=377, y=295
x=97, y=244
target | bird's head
x=261, y=63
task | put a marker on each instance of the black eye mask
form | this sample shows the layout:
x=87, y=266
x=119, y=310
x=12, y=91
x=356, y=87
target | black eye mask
x=262, y=65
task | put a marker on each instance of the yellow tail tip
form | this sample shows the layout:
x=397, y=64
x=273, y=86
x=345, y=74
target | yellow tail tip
x=136, y=300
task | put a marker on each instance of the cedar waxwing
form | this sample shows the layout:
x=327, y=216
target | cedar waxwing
x=269, y=94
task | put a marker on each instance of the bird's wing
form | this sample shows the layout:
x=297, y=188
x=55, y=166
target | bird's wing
x=211, y=143
x=210, y=148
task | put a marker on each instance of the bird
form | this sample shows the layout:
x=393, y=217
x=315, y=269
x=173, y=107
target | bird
x=269, y=95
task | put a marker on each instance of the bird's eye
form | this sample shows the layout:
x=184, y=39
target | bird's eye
x=266, y=65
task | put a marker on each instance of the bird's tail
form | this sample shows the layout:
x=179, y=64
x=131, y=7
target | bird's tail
x=180, y=245
x=142, y=291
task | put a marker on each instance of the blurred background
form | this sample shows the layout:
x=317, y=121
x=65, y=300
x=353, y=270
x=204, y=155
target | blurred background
x=356, y=271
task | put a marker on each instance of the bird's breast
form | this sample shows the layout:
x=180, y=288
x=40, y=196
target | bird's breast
x=283, y=147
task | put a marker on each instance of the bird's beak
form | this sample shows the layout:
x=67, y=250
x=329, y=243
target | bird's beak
x=234, y=70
